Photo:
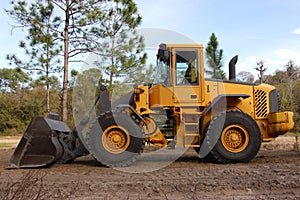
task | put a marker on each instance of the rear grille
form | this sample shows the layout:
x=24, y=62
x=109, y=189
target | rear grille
x=274, y=101
x=261, y=105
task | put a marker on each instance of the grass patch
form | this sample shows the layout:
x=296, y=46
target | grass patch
x=5, y=144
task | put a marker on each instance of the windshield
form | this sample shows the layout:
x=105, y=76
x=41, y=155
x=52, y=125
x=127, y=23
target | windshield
x=162, y=73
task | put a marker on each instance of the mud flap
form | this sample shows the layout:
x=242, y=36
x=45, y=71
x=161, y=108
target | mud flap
x=40, y=145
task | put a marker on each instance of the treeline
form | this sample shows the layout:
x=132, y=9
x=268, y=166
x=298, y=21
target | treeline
x=22, y=98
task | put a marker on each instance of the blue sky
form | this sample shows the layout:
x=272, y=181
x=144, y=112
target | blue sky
x=266, y=30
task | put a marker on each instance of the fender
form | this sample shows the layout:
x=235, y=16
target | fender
x=139, y=117
x=210, y=141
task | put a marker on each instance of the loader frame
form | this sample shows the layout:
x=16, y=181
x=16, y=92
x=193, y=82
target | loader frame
x=227, y=120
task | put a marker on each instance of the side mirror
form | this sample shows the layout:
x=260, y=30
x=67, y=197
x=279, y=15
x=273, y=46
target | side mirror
x=163, y=54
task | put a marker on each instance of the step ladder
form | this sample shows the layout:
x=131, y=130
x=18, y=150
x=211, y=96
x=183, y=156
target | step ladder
x=191, y=132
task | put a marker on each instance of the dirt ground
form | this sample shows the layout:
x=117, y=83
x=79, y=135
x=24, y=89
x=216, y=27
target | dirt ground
x=273, y=174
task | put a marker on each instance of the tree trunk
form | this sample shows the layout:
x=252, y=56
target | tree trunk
x=113, y=49
x=112, y=63
x=48, y=91
x=47, y=73
x=66, y=65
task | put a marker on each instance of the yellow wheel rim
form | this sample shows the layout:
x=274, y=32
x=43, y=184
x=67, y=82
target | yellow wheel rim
x=115, y=139
x=235, y=138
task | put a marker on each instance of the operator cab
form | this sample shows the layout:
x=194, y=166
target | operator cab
x=186, y=66
x=179, y=68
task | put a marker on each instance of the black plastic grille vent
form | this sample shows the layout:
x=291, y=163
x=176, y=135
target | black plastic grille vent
x=261, y=105
x=274, y=101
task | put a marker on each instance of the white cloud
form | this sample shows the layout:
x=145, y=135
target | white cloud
x=288, y=54
x=249, y=64
x=297, y=31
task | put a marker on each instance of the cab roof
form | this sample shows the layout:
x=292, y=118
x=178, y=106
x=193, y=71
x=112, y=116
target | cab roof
x=184, y=45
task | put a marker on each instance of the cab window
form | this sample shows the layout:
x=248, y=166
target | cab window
x=163, y=69
x=186, y=67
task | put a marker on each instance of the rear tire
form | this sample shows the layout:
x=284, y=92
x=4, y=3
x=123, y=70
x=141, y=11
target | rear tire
x=240, y=138
x=116, y=140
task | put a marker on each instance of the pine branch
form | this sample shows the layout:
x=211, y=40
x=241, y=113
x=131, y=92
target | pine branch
x=58, y=5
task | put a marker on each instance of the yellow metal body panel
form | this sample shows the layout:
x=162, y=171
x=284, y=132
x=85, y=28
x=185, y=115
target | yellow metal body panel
x=216, y=88
x=279, y=117
x=141, y=100
x=161, y=96
x=189, y=102
x=280, y=123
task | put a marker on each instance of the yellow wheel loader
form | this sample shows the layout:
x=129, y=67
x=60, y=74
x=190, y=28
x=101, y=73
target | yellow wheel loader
x=225, y=120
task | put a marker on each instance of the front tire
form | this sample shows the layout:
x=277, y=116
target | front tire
x=116, y=139
x=240, y=137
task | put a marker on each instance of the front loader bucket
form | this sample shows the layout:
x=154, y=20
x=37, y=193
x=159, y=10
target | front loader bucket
x=40, y=145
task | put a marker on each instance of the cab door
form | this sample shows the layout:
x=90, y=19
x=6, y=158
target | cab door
x=186, y=77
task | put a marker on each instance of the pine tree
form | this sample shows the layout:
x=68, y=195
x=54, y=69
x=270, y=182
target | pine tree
x=80, y=32
x=79, y=27
x=123, y=52
x=62, y=28
x=12, y=79
x=39, y=45
x=214, y=57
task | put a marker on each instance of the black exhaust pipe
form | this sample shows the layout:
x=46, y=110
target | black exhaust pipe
x=232, y=64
